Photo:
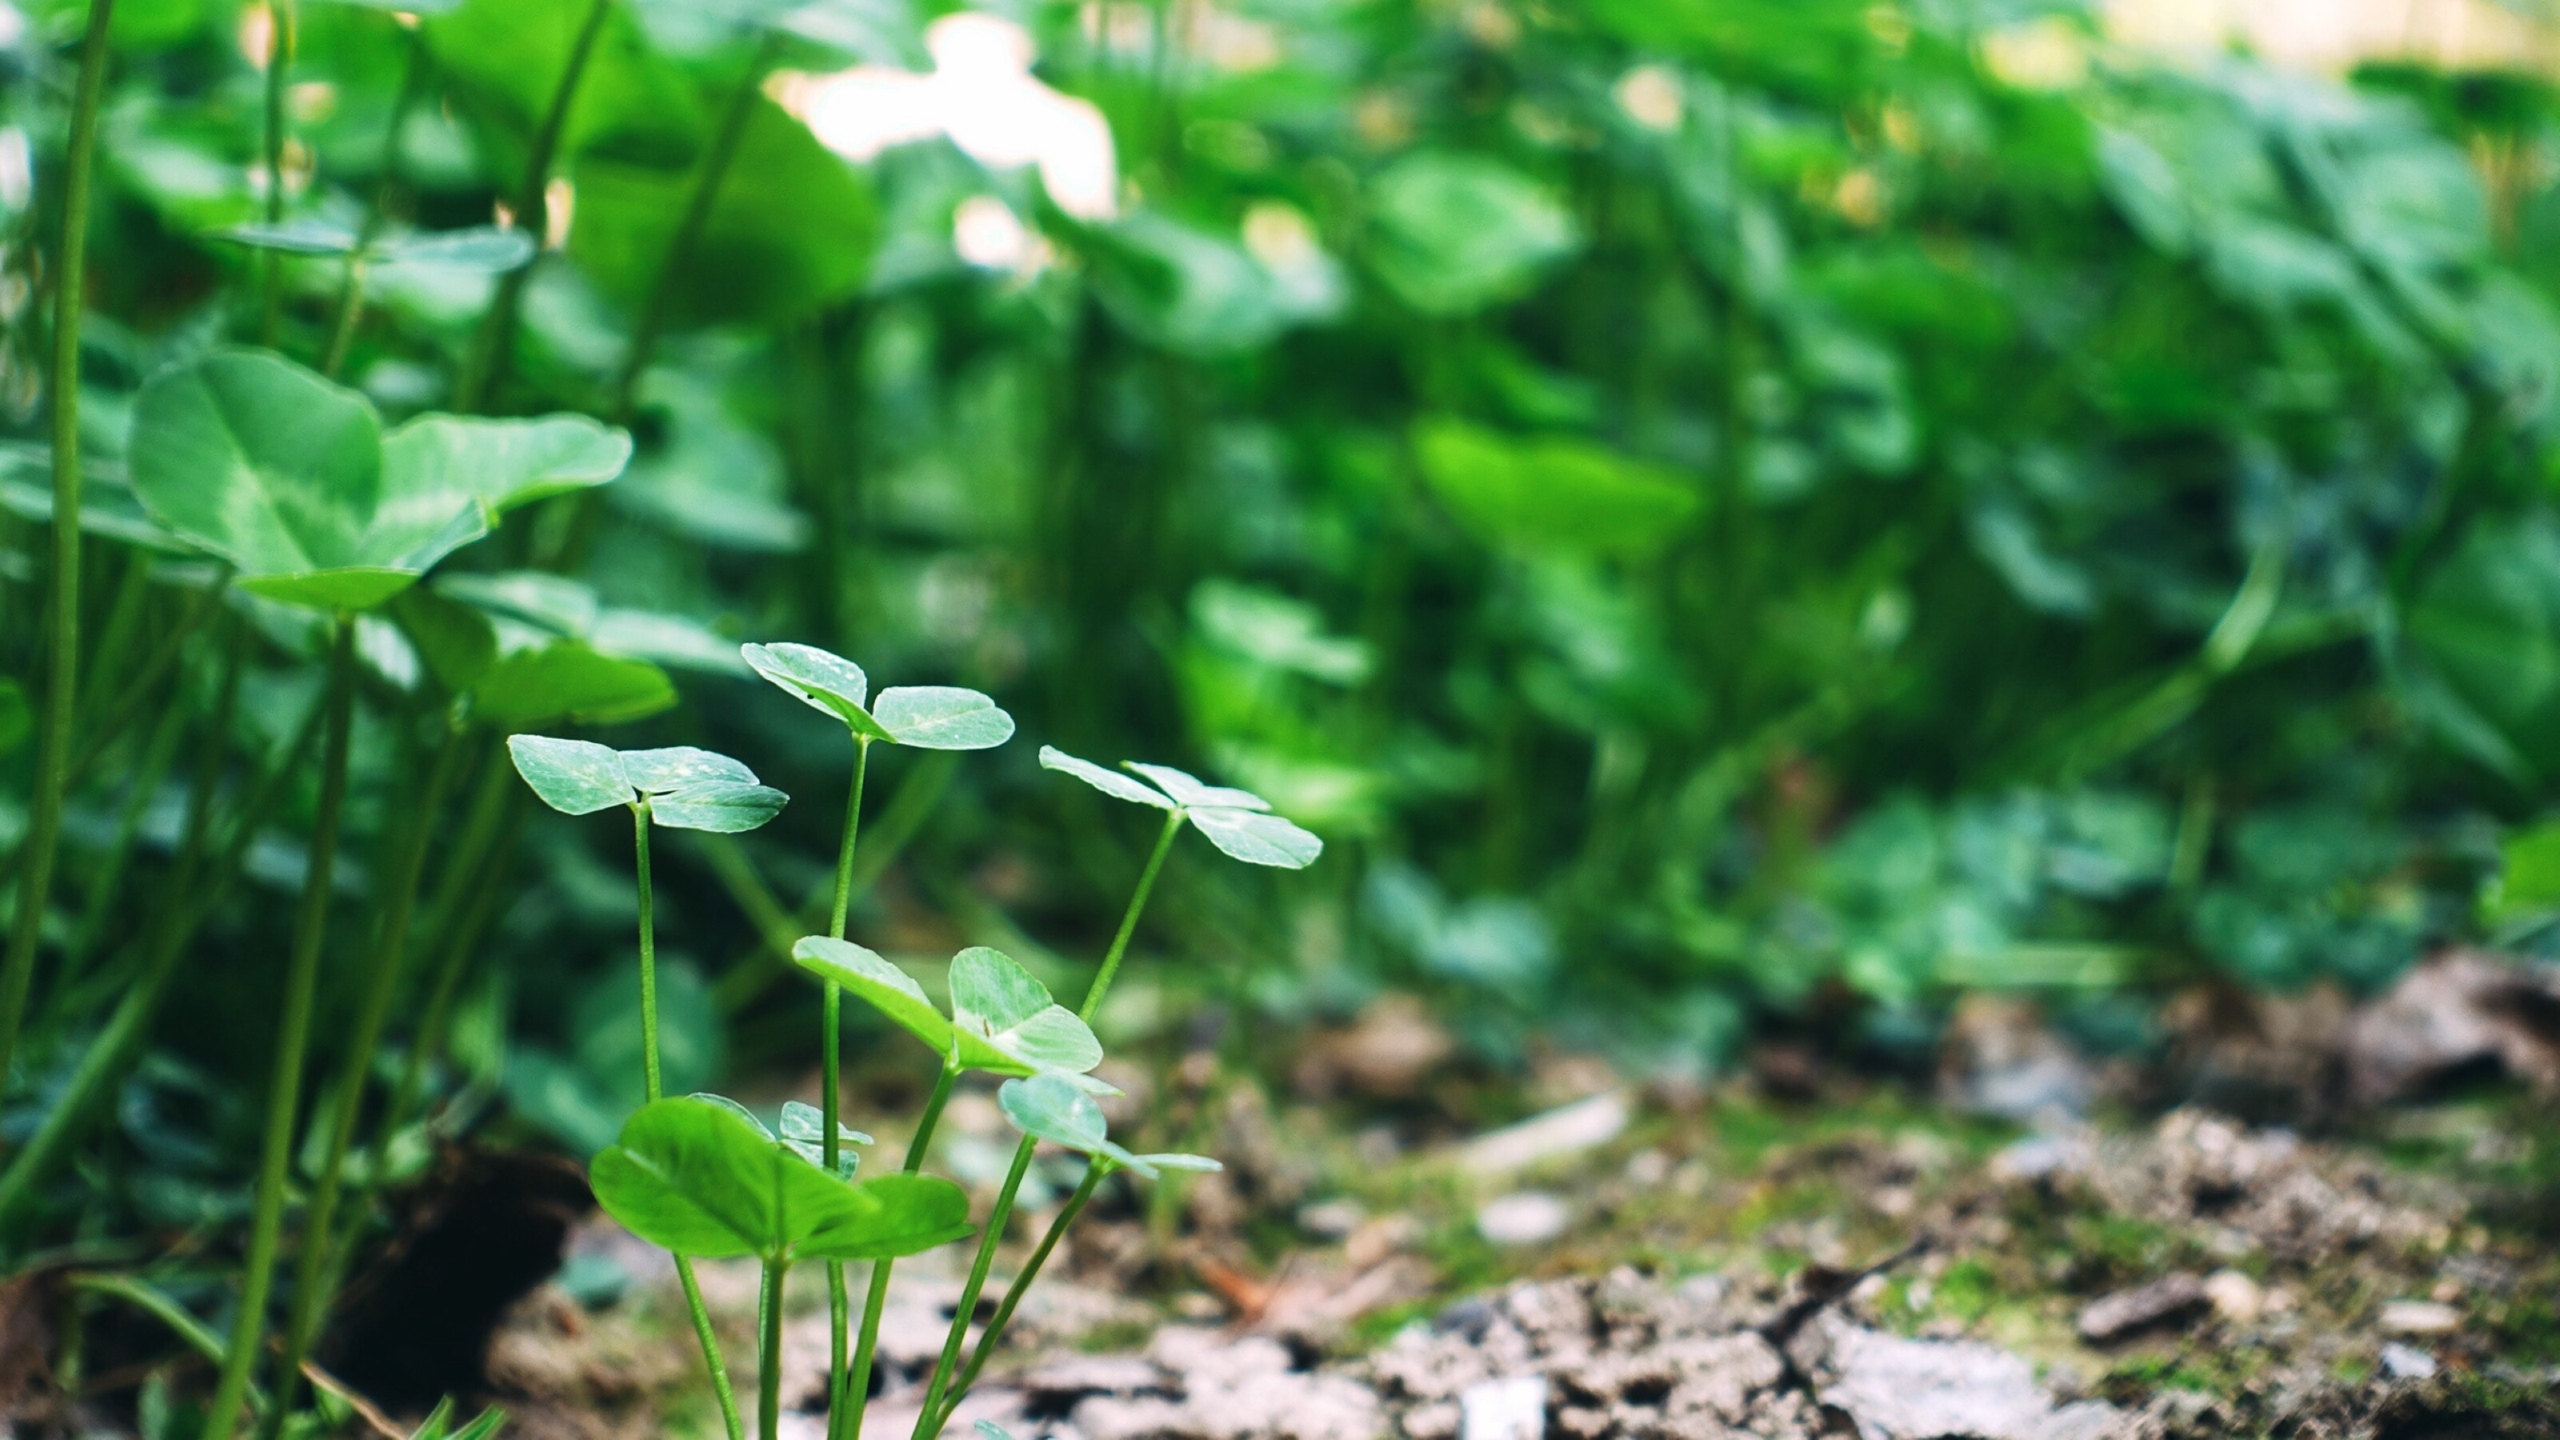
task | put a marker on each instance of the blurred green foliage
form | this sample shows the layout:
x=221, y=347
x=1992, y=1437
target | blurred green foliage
x=1720, y=511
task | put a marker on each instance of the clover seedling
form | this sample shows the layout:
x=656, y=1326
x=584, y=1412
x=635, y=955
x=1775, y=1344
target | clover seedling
x=1002, y=1019
x=927, y=717
x=683, y=789
x=924, y=717
x=700, y=1176
x=291, y=479
x=1236, y=821
x=1045, y=1107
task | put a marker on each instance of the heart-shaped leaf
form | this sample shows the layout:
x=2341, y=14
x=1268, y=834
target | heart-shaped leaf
x=701, y=1178
x=1006, y=1022
x=569, y=680
x=281, y=473
x=1047, y=1107
x=1256, y=838
x=822, y=680
x=804, y=1129
x=1109, y=782
x=574, y=777
x=1189, y=793
x=942, y=717
x=994, y=998
x=501, y=463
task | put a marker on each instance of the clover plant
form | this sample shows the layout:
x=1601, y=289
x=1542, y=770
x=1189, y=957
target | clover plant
x=291, y=481
x=925, y=717
x=681, y=788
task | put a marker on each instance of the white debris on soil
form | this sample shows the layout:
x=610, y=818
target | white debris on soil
x=1513, y=1408
x=1898, y=1389
x=1526, y=1217
x=1567, y=1130
x=2419, y=1317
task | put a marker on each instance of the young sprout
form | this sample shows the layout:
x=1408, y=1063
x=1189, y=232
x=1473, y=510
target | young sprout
x=923, y=717
x=1003, y=1021
x=1238, y=822
x=681, y=788
x=1051, y=1108
x=700, y=1175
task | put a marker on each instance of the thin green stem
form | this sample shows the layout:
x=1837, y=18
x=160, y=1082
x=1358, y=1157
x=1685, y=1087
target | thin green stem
x=976, y=1286
x=700, y=1312
x=342, y=330
x=313, y=1281
x=831, y=1087
x=279, y=71
x=769, y=1355
x=709, y=1340
x=844, y=1411
x=485, y=364
x=1129, y=920
x=161, y=1307
x=1013, y=1293
x=293, y=1038
x=688, y=232
x=648, y=952
x=157, y=756
x=62, y=687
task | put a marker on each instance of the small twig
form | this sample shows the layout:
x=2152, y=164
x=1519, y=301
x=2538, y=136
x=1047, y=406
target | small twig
x=365, y=1409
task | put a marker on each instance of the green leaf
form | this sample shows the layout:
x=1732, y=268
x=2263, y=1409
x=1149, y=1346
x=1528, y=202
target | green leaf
x=1048, y=1107
x=1456, y=233
x=574, y=777
x=280, y=472
x=822, y=680
x=791, y=230
x=1552, y=495
x=456, y=641
x=569, y=680
x=502, y=464
x=1195, y=1164
x=1109, y=782
x=699, y=1178
x=480, y=250
x=994, y=998
x=804, y=1129
x=1256, y=838
x=501, y=61
x=942, y=717
x=293, y=237
x=2528, y=880
x=1189, y=792
x=722, y=807
x=1007, y=1024
x=692, y=789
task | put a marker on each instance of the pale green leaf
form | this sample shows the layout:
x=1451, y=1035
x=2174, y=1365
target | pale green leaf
x=1109, y=782
x=942, y=717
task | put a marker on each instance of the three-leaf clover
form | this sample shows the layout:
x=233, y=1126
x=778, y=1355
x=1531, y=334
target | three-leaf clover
x=700, y=1176
x=292, y=479
x=1002, y=1019
x=927, y=717
x=683, y=788
x=1051, y=1108
x=1238, y=822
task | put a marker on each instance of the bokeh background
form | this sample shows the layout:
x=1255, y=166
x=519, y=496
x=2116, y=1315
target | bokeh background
x=1738, y=522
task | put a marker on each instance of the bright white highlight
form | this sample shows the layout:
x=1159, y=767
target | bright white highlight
x=981, y=94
